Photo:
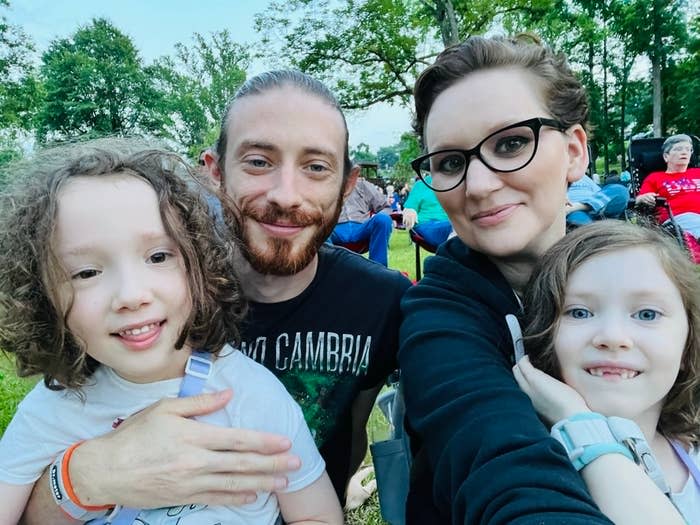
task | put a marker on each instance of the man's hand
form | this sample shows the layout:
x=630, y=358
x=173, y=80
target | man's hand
x=410, y=218
x=646, y=199
x=159, y=458
x=552, y=399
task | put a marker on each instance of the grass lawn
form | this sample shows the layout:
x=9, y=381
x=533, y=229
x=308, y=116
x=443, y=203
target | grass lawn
x=401, y=257
x=402, y=253
x=12, y=390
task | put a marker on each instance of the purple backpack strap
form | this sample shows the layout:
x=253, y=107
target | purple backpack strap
x=685, y=458
x=197, y=371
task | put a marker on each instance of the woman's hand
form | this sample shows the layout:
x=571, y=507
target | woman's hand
x=552, y=399
x=646, y=199
x=410, y=218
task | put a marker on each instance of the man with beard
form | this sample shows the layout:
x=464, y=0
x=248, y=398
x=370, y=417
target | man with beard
x=323, y=319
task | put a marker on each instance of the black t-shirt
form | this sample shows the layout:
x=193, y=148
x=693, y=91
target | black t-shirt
x=338, y=337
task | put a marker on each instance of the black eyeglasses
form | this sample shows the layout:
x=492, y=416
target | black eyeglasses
x=506, y=150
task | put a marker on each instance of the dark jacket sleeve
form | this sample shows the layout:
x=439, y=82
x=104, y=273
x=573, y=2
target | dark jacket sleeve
x=492, y=459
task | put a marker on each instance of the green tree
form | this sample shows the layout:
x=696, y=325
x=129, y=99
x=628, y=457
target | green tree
x=19, y=89
x=408, y=149
x=362, y=153
x=367, y=52
x=96, y=85
x=661, y=27
x=387, y=157
x=371, y=51
x=198, y=83
x=682, y=101
x=10, y=151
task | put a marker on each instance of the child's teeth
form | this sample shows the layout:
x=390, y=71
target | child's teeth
x=624, y=374
x=139, y=331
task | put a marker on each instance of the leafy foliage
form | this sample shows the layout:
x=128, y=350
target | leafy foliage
x=95, y=85
x=371, y=51
x=682, y=97
x=19, y=88
x=362, y=154
x=197, y=84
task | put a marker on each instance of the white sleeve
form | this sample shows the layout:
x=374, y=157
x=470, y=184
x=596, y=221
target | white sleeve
x=23, y=455
x=264, y=404
x=312, y=464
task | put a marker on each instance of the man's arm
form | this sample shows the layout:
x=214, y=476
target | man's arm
x=159, y=457
x=361, y=409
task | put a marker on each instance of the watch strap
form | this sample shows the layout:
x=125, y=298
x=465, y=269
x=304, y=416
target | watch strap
x=628, y=432
x=587, y=436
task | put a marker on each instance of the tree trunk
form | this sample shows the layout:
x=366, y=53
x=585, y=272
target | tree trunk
x=449, y=30
x=623, y=111
x=606, y=123
x=656, y=64
x=656, y=89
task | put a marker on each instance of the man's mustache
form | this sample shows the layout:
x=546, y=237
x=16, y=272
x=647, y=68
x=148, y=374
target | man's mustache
x=274, y=214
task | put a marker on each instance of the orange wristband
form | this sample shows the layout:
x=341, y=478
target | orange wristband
x=67, y=485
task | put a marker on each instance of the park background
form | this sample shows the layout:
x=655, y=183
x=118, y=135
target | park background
x=85, y=73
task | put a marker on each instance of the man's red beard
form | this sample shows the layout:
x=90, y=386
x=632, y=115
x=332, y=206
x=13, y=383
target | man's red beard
x=281, y=256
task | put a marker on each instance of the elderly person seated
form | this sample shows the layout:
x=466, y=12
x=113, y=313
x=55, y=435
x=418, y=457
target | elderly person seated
x=679, y=185
x=361, y=219
x=586, y=201
x=422, y=213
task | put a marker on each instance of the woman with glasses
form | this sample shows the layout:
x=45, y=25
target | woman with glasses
x=502, y=122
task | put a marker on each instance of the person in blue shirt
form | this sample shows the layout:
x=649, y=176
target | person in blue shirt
x=587, y=201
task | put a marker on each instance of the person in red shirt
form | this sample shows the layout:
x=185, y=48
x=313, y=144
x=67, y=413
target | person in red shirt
x=679, y=185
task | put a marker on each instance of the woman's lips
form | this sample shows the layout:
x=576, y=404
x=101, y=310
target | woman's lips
x=494, y=216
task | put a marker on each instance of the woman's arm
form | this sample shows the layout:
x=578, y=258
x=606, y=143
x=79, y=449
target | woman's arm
x=13, y=498
x=492, y=458
x=648, y=191
x=314, y=504
x=619, y=487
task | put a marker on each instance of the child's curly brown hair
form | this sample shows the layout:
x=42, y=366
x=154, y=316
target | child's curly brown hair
x=33, y=324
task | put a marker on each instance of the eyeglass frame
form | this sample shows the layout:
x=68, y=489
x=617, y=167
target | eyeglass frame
x=535, y=124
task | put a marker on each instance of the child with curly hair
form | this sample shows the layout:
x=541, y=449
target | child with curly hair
x=115, y=288
x=613, y=342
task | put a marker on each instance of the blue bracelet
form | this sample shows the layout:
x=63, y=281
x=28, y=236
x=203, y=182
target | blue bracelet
x=594, y=438
x=593, y=452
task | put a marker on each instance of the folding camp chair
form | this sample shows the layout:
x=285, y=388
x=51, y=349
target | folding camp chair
x=420, y=242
